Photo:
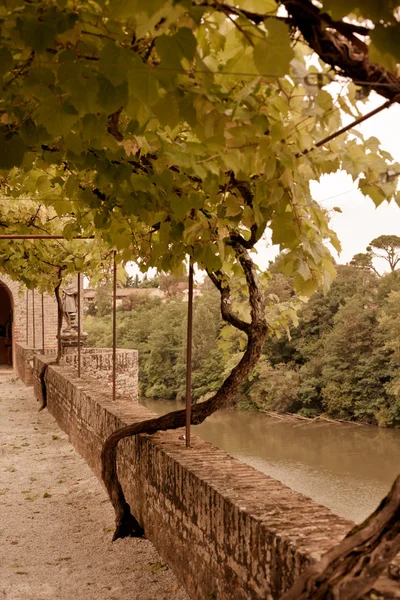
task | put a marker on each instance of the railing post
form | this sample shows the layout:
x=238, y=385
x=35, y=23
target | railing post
x=189, y=356
x=79, y=324
x=43, y=322
x=114, y=313
x=33, y=320
x=27, y=317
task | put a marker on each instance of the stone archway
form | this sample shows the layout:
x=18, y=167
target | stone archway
x=6, y=325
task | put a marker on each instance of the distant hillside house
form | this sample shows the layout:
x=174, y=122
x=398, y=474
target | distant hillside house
x=89, y=294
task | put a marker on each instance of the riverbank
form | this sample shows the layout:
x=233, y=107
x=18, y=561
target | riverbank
x=57, y=521
x=297, y=417
x=347, y=468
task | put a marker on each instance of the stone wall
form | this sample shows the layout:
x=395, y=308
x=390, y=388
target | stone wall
x=97, y=363
x=228, y=531
x=27, y=316
x=23, y=361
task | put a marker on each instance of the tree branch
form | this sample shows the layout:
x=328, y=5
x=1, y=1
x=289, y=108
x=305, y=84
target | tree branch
x=334, y=41
x=226, y=312
x=338, y=48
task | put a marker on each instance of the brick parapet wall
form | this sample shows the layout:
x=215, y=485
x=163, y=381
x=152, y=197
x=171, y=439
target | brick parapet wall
x=98, y=363
x=95, y=362
x=23, y=361
x=228, y=531
x=27, y=324
x=29, y=330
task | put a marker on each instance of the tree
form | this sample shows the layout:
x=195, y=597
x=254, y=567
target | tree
x=276, y=388
x=363, y=260
x=386, y=247
x=149, y=282
x=131, y=281
x=354, y=371
x=103, y=300
x=138, y=123
x=389, y=322
x=171, y=284
x=43, y=264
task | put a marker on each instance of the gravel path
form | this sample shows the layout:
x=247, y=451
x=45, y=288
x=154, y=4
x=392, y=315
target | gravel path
x=56, y=522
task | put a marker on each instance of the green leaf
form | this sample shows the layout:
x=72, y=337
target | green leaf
x=57, y=117
x=261, y=7
x=167, y=110
x=143, y=84
x=284, y=230
x=12, y=150
x=374, y=192
x=29, y=133
x=337, y=8
x=369, y=9
x=172, y=48
x=273, y=54
x=124, y=9
x=115, y=62
x=6, y=61
x=111, y=98
x=385, y=47
x=233, y=207
x=305, y=287
x=38, y=35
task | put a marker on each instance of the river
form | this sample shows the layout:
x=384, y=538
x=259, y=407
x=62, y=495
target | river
x=348, y=468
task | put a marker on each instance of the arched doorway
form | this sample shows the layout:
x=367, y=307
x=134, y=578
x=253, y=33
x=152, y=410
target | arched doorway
x=6, y=328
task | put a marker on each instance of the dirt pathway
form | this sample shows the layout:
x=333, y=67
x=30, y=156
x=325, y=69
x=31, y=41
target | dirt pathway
x=56, y=521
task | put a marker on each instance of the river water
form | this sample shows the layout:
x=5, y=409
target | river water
x=348, y=468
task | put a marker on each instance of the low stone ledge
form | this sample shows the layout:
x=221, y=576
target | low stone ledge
x=97, y=363
x=227, y=531
x=23, y=360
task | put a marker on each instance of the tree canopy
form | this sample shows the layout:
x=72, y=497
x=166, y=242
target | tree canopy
x=386, y=247
x=171, y=127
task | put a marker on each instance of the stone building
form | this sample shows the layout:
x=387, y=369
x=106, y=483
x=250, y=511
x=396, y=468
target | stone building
x=26, y=311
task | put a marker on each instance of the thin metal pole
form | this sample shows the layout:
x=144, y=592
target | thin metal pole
x=33, y=319
x=43, y=322
x=114, y=307
x=189, y=356
x=79, y=324
x=27, y=317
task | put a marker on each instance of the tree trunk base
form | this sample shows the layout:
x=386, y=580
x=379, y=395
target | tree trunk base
x=127, y=526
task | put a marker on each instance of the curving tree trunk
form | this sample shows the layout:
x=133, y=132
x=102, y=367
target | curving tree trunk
x=350, y=569
x=256, y=331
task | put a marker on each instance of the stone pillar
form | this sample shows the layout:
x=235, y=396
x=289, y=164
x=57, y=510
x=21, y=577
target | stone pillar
x=69, y=341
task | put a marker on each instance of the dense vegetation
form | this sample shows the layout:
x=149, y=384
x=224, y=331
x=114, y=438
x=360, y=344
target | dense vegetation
x=158, y=331
x=343, y=359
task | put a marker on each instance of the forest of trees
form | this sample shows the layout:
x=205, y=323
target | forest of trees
x=343, y=359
